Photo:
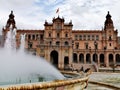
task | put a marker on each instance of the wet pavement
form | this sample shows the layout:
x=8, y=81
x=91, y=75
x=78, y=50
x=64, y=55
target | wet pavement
x=96, y=87
x=108, y=78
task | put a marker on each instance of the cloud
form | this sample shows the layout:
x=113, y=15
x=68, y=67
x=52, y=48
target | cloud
x=85, y=14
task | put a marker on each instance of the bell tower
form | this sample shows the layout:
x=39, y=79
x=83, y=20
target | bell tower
x=11, y=21
x=109, y=33
x=108, y=22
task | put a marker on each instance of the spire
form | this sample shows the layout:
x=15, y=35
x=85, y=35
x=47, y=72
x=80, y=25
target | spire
x=11, y=21
x=108, y=22
x=108, y=15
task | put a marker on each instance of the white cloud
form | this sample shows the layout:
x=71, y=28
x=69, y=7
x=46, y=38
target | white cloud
x=85, y=14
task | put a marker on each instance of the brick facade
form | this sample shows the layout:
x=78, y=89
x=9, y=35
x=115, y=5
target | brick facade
x=59, y=44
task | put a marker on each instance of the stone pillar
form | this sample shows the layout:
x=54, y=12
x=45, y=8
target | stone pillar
x=49, y=55
x=84, y=58
x=106, y=60
x=91, y=58
x=59, y=60
x=114, y=60
x=78, y=58
x=98, y=60
x=70, y=55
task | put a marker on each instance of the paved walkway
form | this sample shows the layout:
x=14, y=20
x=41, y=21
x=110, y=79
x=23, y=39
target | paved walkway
x=108, y=78
x=96, y=87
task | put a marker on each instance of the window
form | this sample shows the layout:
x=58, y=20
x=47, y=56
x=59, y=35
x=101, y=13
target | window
x=33, y=37
x=41, y=37
x=49, y=34
x=96, y=45
x=88, y=37
x=84, y=37
x=80, y=37
x=50, y=43
x=77, y=45
x=58, y=26
x=76, y=37
x=37, y=37
x=110, y=44
x=86, y=45
x=97, y=37
x=66, y=43
x=29, y=36
x=66, y=35
x=110, y=38
x=57, y=43
x=93, y=38
x=58, y=35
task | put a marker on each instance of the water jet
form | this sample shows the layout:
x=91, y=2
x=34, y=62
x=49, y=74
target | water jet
x=23, y=71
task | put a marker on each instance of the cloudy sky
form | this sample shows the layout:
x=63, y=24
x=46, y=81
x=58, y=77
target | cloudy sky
x=85, y=14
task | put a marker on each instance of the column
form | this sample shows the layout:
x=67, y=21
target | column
x=78, y=58
x=84, y=58
x=114, y=60
x=106, y=60
x=98, y=60
x=91, y=58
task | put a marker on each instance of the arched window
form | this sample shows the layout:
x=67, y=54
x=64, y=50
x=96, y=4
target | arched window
x=74, y=57
x=102, y=60
x=88, y=58
x=66, y=35
x=57, y=43
x=66, y=43
x=29, y=36
x=33, y=37
x=49, y=35
x=111, y=59
x=81, y=58
x=58, y=35
x=80, y=37
x=76, y=37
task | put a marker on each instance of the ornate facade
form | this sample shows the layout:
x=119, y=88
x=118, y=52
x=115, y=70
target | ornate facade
x=59, y=44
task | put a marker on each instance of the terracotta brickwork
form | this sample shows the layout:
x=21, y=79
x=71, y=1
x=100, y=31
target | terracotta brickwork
x=59, y=44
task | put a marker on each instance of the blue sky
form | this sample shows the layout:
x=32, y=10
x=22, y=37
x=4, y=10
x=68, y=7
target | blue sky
x=85, y=14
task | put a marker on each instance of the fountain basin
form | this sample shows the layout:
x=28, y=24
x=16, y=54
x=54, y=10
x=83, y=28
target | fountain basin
x=67, y=84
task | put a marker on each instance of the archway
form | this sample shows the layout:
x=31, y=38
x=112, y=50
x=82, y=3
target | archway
x=66, y=60
x=81, y=58
x=54, y=58
x=88, y=58
x=111, y=59
x=74, y=57
x=117, y=59
x=95, y=58
x=102, y=60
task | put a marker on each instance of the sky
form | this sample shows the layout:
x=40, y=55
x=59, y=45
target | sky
x=85, y=14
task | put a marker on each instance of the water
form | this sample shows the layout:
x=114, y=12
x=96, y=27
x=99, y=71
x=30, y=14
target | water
x=18, y=67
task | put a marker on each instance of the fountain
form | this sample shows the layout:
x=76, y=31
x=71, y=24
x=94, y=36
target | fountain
x=19, y=70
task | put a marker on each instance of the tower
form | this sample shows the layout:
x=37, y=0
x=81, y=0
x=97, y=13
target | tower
x=11, y=21
x=10, y=25
x=109, y=32
x=108, y=22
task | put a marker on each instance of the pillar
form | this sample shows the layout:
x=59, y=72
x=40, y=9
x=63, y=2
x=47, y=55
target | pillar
x=98, y=60
x=84, y=58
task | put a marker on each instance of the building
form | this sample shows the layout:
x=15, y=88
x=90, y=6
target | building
x=59, y=44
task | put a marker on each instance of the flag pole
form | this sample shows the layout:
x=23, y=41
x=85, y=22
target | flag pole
x=57, y=11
